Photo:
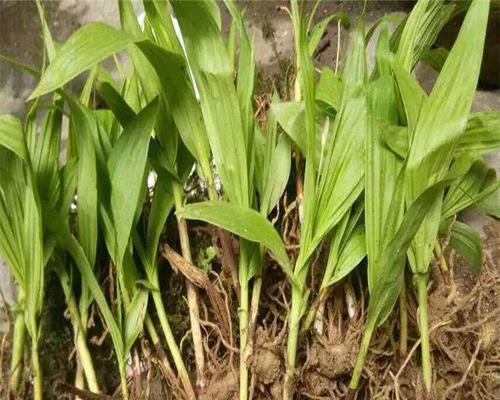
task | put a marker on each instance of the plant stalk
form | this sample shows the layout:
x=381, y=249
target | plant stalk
x=423, y=319
x=19, y=337
x=243, y=319
x=37, y=371
x=123, y=381
x=85, y=362
x=293, y=335
x=172, y=345
x=403, y=318
x=192, y=292
x=360, y=360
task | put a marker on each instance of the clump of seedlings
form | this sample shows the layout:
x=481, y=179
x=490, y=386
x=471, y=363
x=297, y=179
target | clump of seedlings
x=359, y=171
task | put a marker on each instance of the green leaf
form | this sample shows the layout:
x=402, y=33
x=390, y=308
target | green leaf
x=435, y=58
x=441, y=122
x=318, y=30
x=329, y=89
x=134, y=318
x=244, y=222
x=126, y=164
x=340, y=180
x=185, y=110
x=34, y=266
x=162, y=204
x=66, y=239
x=353, y=251
x=478, y=183
x=45, y=159
x=12, y=136
x=86, y=191
x=386, y=289
x=117, y=104
x=482, y=132
x=89, y=45
x=278, y=174
x=467, y=242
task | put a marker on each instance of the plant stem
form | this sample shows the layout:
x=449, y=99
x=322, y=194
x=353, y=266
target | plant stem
x=79, y=377
x=37, y=371
x=403, y=318
x=315, y=313
x=360, y=360
x=421, y=282
x=123, y=381
x=85, y=362
x=439, y=254
x=16, y=370
x=172, y=346
x=243, y=318
x=192, y=293
x=293, y=335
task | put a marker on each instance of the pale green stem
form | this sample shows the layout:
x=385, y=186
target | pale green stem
x=243, y=320
x=19, y=337
x=316, y=308
x=85, y=360
x=123, y=381
x=439, y=254
x=293, y=335
x=37, y=371
x=192, y=293
x=403, y=318
x=360, y=360
x=79, y=377
x=172, y=345
x=421, y=282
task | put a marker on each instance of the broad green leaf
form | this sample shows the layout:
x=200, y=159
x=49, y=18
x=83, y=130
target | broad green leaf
x=329, y=89
x=381, y=166
x=421, y=29
x=134, y=318
x=467, y=242
x=86, y=191
x=220, y=104
x=490, y=205
x=201, y=33
x=244, y=222
x=351, y=255
x=34, y=266
x=290, y=116
x=319, y=29
x=45, y=159
x=435, y=58
x=386, y=289
x=278, y=174
x=482, y=132
x=67, y=241
x=340, y=178
x=479, y=182
x=89, y=45
x=116, y=103
x=225, y=133
x=441, y=122
x=182, y=103
x=161, y=206
x=12, y=136
x=126, y=164
x=11, y=240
